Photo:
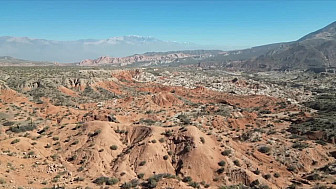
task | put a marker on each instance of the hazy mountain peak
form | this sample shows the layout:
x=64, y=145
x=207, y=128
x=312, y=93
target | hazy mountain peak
x=73, y=51
x=326, y=33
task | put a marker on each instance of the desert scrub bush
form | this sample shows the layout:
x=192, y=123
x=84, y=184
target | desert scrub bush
x=152, y=181
x=257, y=172
x=202, y=140
x=161, y=140
x=80, y=169
x=167, y=133
x=106, y=180
x=299, y=145
x=264, y=149
x=95, y=133
x=112, y=181
x=15, y=141
x=2, y=181
x=165, y=157
x=267, y=176
x=142, y=163
x=319, y=186
x=194, y=184
x=45, y=129
x=131, y=184
x=265, y=112
x=187, y=148
x=114, y=147
x=19, y=129
x=220, y=170
x=72, y=158
x=147, y=121
x=314, y=176
x=184, y=119
x=291, y=168
x=75, y=142
x=221, y=163
x=140, y=175
x=78, y=179
x=8, y=123
x=31, y=153
x=54, y=157
x=226, y=152
x=237, y=163
x=276, y=175
x=187, y=179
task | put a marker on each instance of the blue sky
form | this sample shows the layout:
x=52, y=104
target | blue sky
x=224, y=24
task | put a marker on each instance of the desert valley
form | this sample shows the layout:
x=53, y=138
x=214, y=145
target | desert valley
x=261, y=117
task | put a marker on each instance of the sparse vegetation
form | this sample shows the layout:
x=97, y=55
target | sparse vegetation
x=114, y=147
x=226, y=152
x=105, y=180
x=15, y=141
x=142, y=163
x=221, y=163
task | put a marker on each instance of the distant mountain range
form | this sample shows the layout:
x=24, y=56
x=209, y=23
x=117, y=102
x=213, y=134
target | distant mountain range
x=316, y=50
x=75, y=51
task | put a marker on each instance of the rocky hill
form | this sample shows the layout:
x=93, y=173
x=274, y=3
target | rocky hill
x=314, y=51
x=149, y=58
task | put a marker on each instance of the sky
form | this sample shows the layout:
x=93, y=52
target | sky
x=224, y=24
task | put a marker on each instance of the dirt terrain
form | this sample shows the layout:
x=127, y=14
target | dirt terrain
x=104, y=128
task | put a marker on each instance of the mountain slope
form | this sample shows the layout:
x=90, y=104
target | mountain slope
x=10, y=61
x=328, y=33
x=315, y=50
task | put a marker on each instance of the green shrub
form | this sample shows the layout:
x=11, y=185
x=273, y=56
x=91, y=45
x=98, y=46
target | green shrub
x=15, y=141
x=267, y=176
x=112, y=181
x=226, y=152
x=299, y=145
x=264, y=149
x=291, y=168
x=257, y=172
x=276, y=175
x=202, y=140
x=221, y=163
x=140, y=175
x=237, y=163
x=131, y=184
x=19, y=129
x=184, y=119
x=142, y=163
x=114, y=147
x=187, y=179
x=194, y=184
x=8, y=123
x=2, y=181
x=106, y=180
x=220, y=170
x=75, y=142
